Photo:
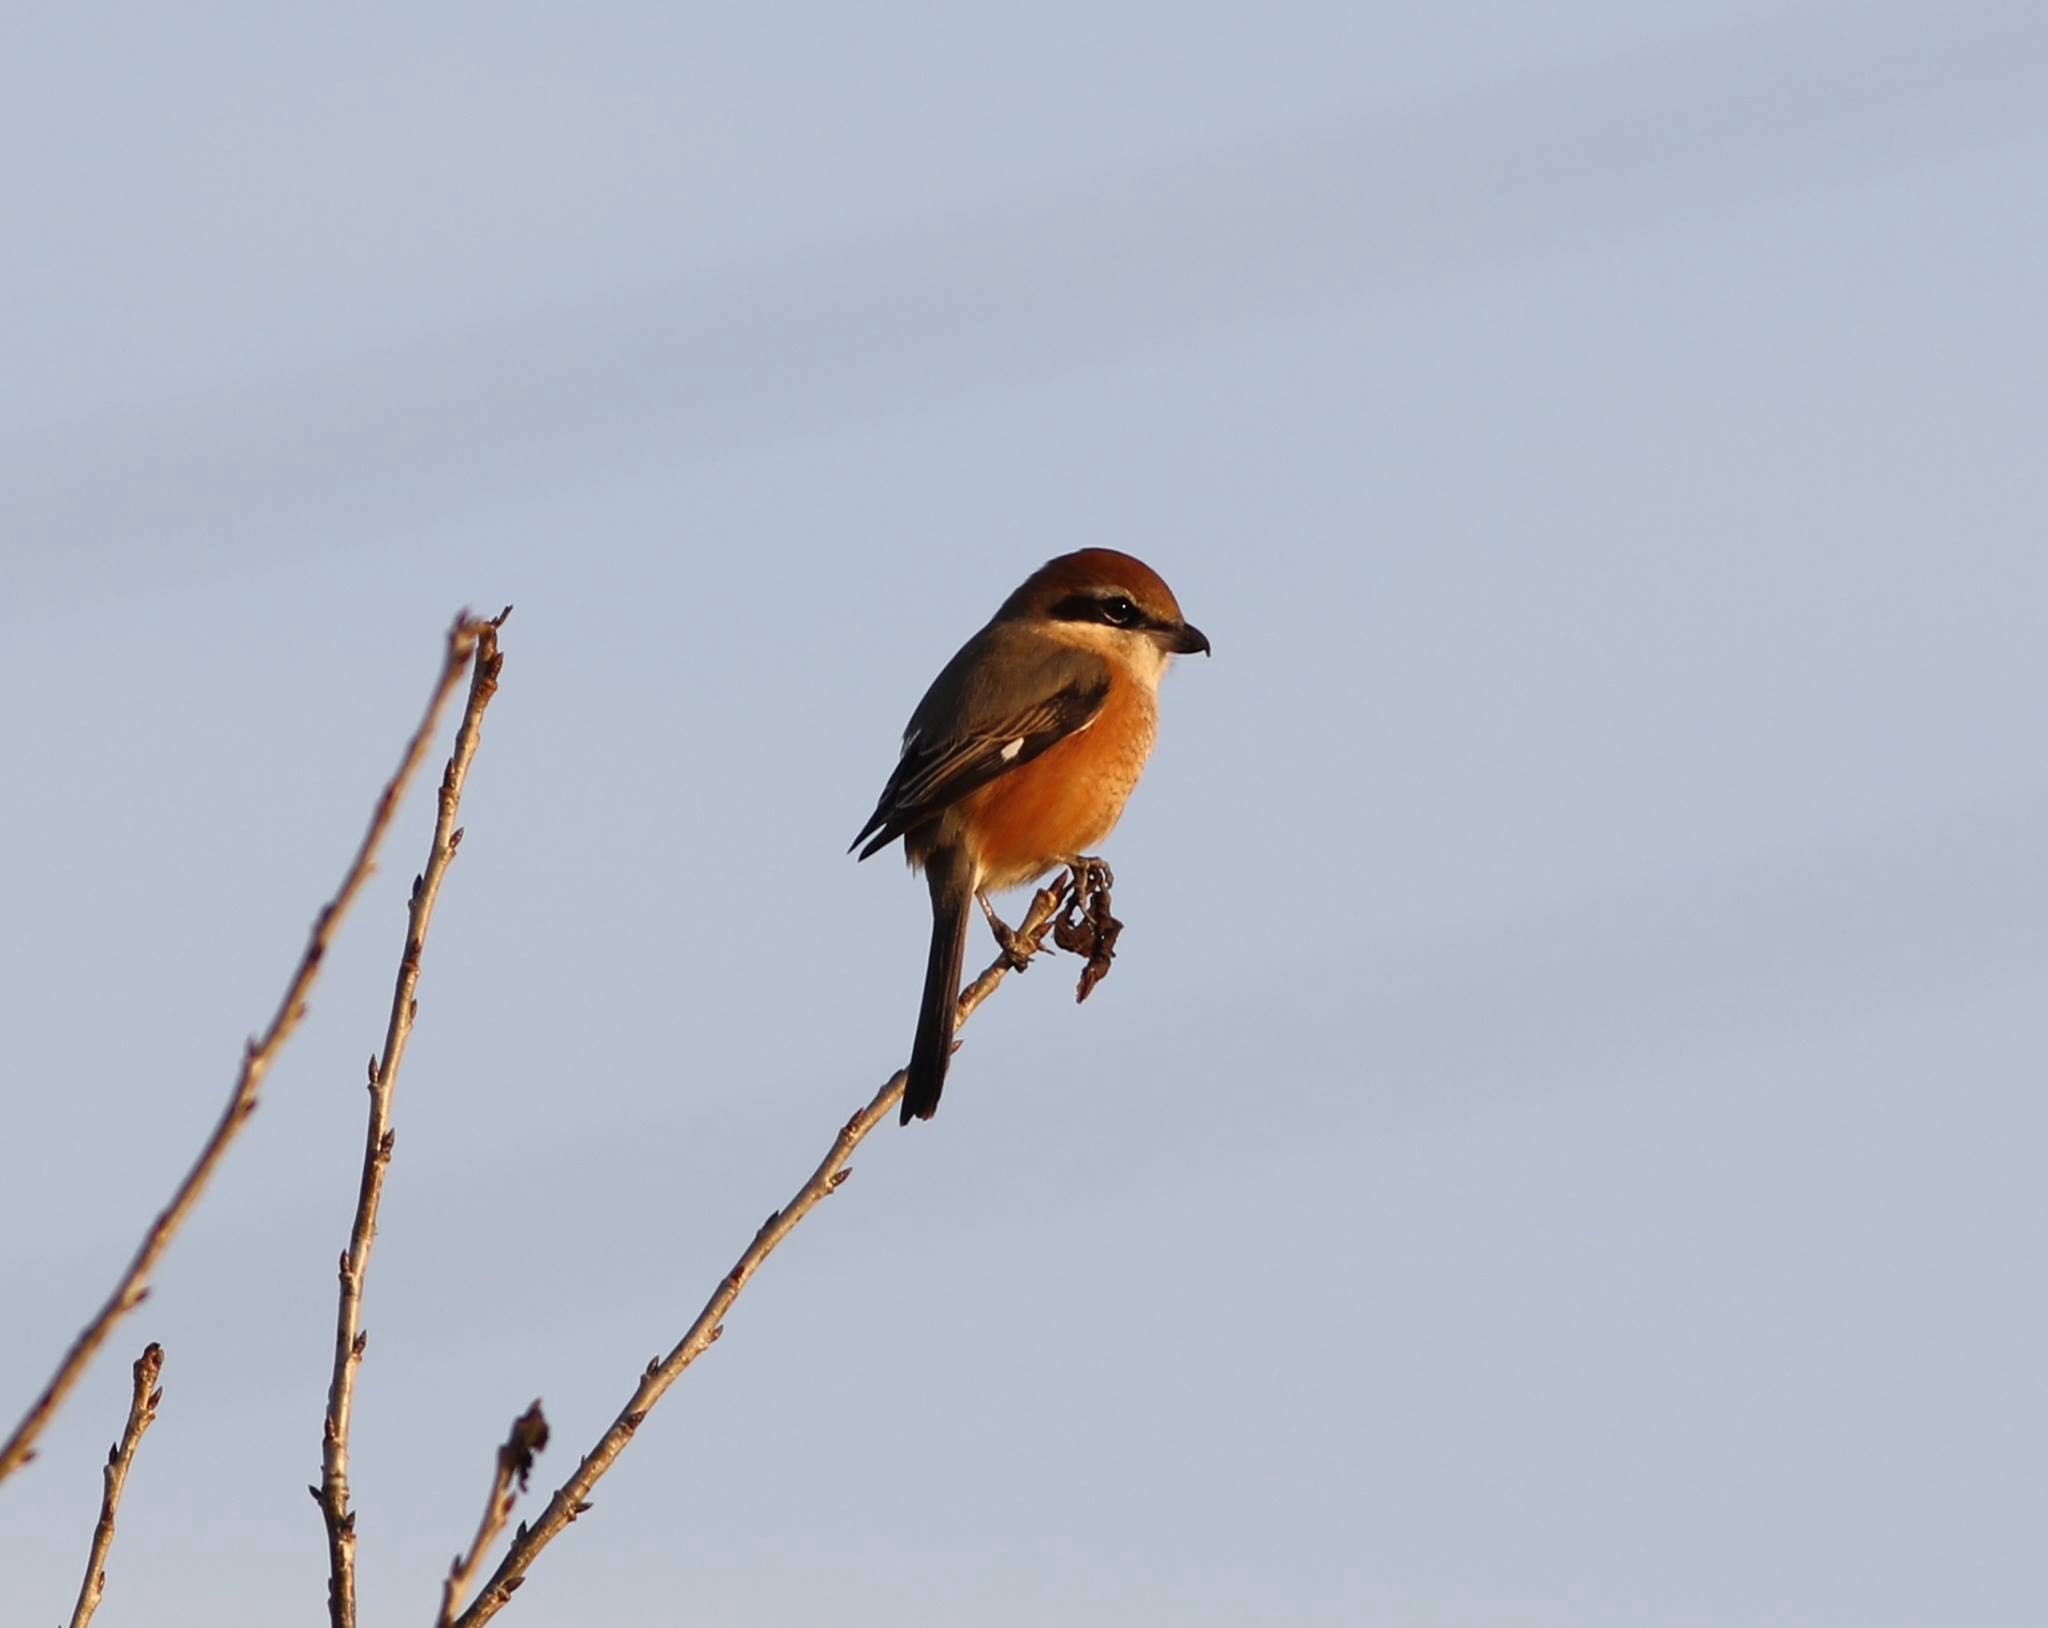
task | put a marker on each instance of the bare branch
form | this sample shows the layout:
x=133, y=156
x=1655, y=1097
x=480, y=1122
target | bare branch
x=572, y=1498
x=515, y=1463
x=141, y=1414
x=349, y=1338
x=257, y=1056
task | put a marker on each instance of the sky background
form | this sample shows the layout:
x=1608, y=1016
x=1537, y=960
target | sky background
x=1563, y=1141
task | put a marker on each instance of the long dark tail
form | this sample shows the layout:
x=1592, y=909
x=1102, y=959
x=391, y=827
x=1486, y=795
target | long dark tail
x=952, y=896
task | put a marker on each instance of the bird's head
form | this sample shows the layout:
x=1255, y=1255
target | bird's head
x=1103, y=600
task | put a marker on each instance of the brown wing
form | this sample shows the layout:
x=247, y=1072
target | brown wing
x=964, y=733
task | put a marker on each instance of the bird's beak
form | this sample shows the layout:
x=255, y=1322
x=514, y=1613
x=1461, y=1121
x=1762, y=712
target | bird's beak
x=1187, y=640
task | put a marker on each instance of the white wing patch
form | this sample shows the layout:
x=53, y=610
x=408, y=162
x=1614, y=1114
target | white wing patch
x=1012, y=749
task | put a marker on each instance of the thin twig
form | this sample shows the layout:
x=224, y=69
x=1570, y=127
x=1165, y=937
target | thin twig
x=571, y=1499
x=349, y=1337
x=257, y=1056
x=515, y=1463
x=141, y=1414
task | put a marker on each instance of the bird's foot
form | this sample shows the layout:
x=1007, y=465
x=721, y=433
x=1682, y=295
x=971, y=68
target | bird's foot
x=1090, y=876
x=1017, y=949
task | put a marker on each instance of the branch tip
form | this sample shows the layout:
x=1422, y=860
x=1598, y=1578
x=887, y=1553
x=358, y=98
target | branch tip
x=469, y=644
x=114, y=1477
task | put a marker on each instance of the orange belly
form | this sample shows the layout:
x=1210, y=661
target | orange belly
x=1064, y=802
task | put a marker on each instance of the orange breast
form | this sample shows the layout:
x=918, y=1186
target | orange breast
x=1063, y=803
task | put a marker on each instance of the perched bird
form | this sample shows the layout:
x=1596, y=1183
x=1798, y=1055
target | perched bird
x=1021, y=755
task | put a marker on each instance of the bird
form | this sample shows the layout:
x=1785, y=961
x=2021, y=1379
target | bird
x=1020, y=758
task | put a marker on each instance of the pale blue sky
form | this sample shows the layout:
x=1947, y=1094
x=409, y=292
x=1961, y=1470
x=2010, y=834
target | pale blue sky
x=1562, y=1144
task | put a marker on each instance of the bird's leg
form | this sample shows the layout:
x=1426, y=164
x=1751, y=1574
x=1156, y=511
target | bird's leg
x=1016, y=952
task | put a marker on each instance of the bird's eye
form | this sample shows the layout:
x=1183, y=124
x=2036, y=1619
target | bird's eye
x=1119, y=611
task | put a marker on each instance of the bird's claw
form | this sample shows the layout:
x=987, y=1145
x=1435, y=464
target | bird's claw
x=1090, y=877
x=1017, y=950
